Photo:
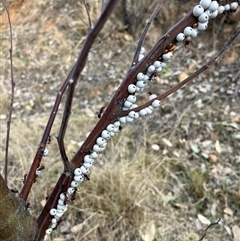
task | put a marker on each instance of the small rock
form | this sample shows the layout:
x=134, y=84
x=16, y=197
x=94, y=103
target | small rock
x=213, y=158
x=155, y=147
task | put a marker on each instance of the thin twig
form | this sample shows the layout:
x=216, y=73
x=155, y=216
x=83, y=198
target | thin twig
x=12, y=95
x=219, y=221
x=75, y=75
x=145, y=30
x=31, y=177
x=87, y=10
x=63, y=128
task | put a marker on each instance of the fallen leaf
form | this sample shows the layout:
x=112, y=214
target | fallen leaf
x=194, y=148
x=236, y=233
x=127, y=37
x=206, y=143
x=198, y=224
x=226, y=171
x=236, y=119
x=149, y=232
x=203, y=219
x=228, y=211
x=205, y=155
x=77, y=228
x=43, y=202
x=229, y=231
x=182, y=76
x=236, y=135
x=175, y=153
x=64, y=227
x=218, y=147
x=231, y=124
x=167, y=198
x=167, y=142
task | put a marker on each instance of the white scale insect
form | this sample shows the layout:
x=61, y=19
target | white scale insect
x=133, y=106
x=156, y=103
x=187, y=31
x=198, y=10
x=105, y=134
x=53, y=211
x=140, y=76
x=97, y=148
x=49, y=231
x=150, y=70
x=142, y=112
x=205, y=3
x=157, y=64
x=140, y=84
x=78, y=179
x=88, y=158
x=167, y=56
x=127, y=104
x=203, y=18
x=77, y=172
x=87, y=164
x=132, y=98
x=95, y=154
x=132, y=88
x=213, y=6
x=74, y=184
x=61, y=202
x=180, y=37
x=84, y=170
x=110, y=127
x=45, y=152
x=101, y=141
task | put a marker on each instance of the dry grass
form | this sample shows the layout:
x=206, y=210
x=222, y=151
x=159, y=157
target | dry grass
x=136, y=192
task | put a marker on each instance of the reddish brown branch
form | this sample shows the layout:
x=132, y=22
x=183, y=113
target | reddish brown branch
x=114, y=109
x=112, y=113
x=31, y=177
x=44, y=218
x=78, y=69
x=63, y=128
x=65, y=179
x=74, y=74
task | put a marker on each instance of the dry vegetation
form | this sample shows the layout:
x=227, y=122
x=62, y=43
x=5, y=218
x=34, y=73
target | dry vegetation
x=157, y=175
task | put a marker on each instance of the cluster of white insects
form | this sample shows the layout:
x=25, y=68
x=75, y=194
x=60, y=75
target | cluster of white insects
x=207, y=9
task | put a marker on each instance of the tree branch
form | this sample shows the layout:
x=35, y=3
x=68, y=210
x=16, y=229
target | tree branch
x=144, y=33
